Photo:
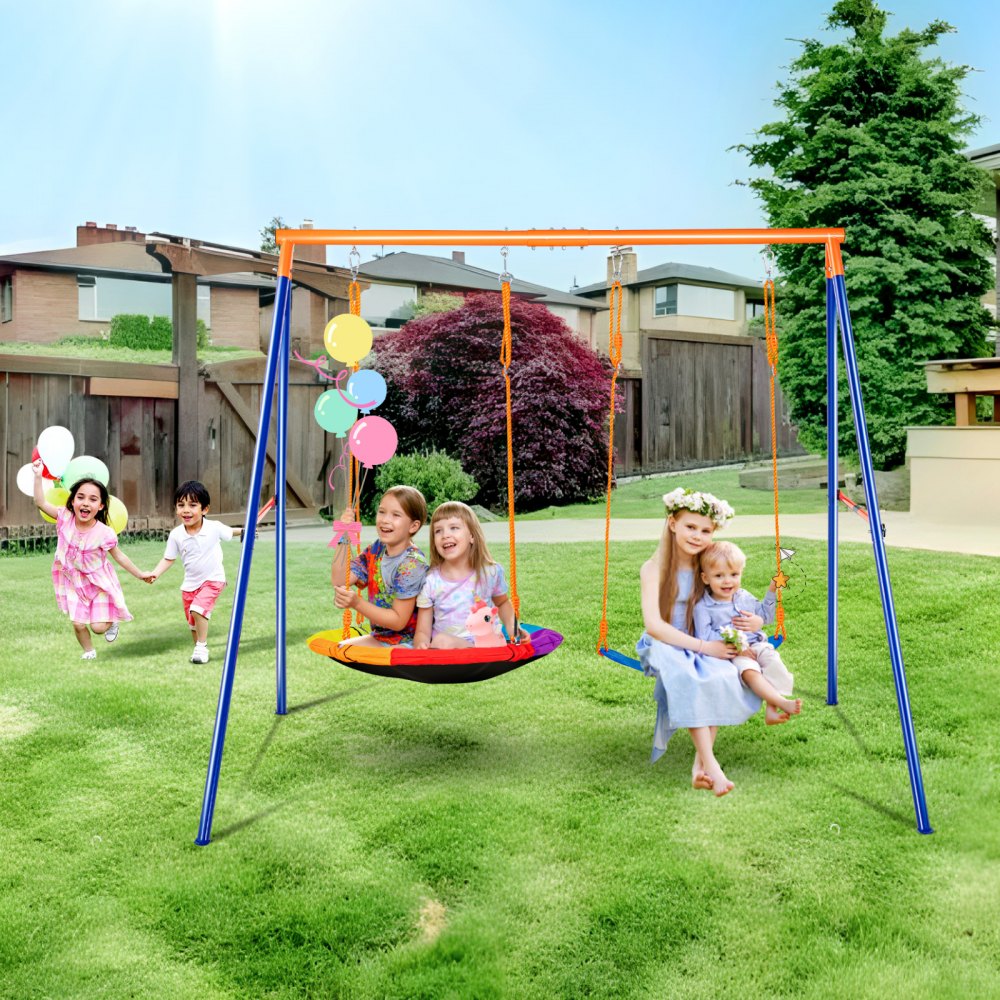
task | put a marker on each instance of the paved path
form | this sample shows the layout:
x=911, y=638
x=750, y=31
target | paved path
x=902, y=530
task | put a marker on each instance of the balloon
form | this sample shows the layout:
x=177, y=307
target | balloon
x=372, y=441
x=35, y=457
x=57, y=496
x=348, y=338
x=26, y=480
x=117, y=515
x=365, y=387
x=85, y=467
x=334, y=414
x=55, y=448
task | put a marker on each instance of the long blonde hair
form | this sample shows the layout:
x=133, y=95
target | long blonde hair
x=666, y=555
x=480, y=553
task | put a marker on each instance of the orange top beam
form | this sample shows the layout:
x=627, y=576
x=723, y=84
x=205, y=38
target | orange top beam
x=551, y=237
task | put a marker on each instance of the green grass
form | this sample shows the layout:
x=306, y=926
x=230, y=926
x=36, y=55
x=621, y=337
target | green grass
x=504, y=839
x=642, y=497
x=100, y=350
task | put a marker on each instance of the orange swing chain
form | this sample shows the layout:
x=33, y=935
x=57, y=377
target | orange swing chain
x=505, y=359
x=354, y=299
x=615, y=355
x=771, y=334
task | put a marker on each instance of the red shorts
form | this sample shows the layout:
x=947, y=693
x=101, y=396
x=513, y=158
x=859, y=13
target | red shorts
x=201, y=600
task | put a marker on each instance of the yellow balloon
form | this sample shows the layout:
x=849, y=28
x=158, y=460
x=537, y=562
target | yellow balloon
x=117, y=515
x=57, y=496
x=348, y=338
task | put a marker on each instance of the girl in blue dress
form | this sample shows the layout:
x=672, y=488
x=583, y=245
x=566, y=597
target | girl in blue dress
x=696, y=688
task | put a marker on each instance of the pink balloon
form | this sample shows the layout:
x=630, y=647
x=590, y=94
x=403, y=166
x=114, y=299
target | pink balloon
x=372, y=440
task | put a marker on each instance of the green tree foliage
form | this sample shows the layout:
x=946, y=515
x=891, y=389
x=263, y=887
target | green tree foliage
x=871, y=140
x=437, y=302
x=439, y=477
x=267, y=243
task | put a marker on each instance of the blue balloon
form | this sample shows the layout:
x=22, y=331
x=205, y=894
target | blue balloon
x=366, y=386
x=334, y=414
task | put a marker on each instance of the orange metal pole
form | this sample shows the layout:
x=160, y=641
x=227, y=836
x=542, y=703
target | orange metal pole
x=552, y=237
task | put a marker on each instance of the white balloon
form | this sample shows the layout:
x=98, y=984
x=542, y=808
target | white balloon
x=26, y=480
x=55, y=448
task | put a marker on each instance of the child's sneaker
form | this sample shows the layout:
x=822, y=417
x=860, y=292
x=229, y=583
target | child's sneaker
x=200, y=654
x=112, y=633
x=89, y=654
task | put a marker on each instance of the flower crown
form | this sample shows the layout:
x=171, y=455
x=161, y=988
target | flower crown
x=699, y=503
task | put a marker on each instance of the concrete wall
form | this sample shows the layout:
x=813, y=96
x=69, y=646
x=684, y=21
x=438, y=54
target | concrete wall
x=955, y=473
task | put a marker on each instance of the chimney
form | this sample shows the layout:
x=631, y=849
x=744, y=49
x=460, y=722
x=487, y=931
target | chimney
x=310, y=254
x=91, y=233
x=630, y=266
x=458, y=256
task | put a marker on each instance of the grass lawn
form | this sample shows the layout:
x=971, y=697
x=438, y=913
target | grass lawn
x=642, y=498
x=504, y=839
x=100, y=350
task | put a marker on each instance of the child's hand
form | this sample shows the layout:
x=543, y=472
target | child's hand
x=345, y=597
x=149, y=577
x=746, y=622
x=36, y=468
x=419, y=642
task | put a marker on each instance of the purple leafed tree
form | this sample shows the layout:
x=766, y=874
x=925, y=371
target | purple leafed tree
x=446, y=391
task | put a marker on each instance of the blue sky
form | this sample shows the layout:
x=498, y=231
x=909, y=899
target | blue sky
x=208, y=117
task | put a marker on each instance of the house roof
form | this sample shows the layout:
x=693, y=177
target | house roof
x=679, y=272
x=124, y=258
x=422, y=269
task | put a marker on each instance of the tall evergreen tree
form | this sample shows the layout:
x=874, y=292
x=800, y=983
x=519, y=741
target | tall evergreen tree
x=871, y=141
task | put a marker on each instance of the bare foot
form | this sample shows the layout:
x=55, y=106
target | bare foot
x=720, y=784
x=699, y=779
x=774, y=716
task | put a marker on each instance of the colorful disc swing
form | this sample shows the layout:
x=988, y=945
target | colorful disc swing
x=780, y=579
x=452, y=666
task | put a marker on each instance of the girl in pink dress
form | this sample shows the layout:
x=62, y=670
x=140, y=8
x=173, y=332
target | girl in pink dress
x=86, y=584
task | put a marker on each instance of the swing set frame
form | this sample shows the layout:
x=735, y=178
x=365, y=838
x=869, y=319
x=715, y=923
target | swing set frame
x=276, y=373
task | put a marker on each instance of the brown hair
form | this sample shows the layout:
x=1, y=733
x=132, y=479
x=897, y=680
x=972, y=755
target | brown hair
x=723, y=553
x=667, y=555
x=480, y=553
x=411, y=500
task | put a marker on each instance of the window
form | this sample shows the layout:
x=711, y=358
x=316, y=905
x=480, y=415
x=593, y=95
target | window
x=694, y=300
x=754, y=309
x=665, y=300
x=6, y=300
x=100, y=298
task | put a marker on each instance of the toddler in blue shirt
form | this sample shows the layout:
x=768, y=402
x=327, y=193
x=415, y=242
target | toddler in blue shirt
x=722, y=608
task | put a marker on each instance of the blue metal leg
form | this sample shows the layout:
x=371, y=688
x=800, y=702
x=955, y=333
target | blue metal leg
x=243, y=577
x=832, y=477
x=281, y=506
x=881, y=563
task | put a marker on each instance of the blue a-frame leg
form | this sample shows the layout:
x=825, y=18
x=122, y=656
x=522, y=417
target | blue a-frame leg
x=277, y=366
x=836, y=291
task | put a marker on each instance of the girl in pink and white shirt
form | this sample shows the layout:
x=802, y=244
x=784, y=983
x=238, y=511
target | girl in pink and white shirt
x=86, y=585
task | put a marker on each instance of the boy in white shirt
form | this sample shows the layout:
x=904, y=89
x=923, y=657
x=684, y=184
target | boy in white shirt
x=196, y=540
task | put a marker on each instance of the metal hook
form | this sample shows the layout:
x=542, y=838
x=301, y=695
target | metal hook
x=504, y=276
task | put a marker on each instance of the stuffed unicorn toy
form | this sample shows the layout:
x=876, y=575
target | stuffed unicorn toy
x=480, y=624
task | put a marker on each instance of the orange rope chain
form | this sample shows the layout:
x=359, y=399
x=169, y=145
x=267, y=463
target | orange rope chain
x=505, y=359
x=771, y=333
x=615, y=354
x=354, y=297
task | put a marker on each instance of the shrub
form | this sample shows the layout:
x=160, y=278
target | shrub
x=438, y=476
x=130, y=330
x=142, y=333
x=446, y=392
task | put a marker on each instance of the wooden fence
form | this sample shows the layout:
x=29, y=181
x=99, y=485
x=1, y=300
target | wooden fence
x=703, y=399
x=126, y=414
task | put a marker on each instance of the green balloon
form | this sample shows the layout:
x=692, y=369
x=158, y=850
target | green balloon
x=85, y=467
x=334, y=414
